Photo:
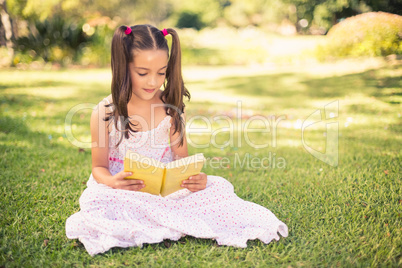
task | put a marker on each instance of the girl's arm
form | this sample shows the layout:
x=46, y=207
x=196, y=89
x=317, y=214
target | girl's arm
x=100, y=154
x=194, y=183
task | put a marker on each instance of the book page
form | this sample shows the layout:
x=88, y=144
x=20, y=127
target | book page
x=184, y=162
x=180, y=170
x=142, y=159
x=144, y=168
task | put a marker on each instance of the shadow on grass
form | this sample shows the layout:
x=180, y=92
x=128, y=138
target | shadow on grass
x=287, y=86
x=24, y=102
x=186, y=241
x=369, y=83
x=13, y=125
x=34, y=84
x=273, y=85
x=23, y=147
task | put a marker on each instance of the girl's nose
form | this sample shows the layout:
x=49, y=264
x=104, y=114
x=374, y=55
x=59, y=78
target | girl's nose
x=152, y=81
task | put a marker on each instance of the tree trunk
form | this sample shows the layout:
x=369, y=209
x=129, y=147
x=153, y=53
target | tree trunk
x=7, y=29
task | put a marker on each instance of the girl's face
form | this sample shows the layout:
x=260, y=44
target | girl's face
x=148, y=72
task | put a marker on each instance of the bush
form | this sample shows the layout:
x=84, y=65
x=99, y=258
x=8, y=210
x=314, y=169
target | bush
x=189, y=20
x=65, y=42
x=54, y=40
x=369, y=34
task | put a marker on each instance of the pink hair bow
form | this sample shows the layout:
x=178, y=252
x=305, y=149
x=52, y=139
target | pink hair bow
x=164, y=32
x=128, y=30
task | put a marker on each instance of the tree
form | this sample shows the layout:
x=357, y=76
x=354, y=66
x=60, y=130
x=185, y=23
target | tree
x=391, y=6
x=326, y=13
x=204, y=13
x=241, y=13
x=6, y=30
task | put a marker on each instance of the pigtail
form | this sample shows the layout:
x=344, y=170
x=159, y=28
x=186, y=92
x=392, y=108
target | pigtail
x=174, y=89
x=121, y=82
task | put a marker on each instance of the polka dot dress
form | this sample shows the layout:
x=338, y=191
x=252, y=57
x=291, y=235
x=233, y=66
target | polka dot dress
x=118, y=218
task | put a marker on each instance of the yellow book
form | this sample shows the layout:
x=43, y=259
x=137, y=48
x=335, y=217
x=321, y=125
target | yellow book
x=160, y=178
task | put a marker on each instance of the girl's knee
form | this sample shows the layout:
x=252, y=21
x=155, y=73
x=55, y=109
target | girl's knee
x=220, y=183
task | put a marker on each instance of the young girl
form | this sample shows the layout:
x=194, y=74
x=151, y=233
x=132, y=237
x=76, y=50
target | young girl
x=143, y=118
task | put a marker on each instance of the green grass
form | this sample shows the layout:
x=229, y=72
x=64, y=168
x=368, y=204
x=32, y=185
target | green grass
x=348, y=215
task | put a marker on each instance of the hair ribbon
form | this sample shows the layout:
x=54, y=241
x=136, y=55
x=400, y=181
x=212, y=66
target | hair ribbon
x=164, y=32
x=128, y=30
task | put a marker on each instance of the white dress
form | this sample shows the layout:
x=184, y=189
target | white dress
x=118, y=218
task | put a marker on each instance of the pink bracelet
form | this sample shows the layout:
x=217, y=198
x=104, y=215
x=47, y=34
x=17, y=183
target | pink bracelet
x=116, y=160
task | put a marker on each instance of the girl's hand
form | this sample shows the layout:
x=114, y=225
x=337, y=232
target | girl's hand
x=196, y=182
x=118, y=182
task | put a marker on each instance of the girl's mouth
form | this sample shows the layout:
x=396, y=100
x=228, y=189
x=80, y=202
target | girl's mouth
x=149, y=90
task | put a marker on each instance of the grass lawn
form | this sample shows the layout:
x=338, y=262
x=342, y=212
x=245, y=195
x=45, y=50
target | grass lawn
x=347, y=214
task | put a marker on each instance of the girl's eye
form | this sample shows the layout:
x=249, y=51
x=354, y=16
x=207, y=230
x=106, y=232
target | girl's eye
x=161, y=73
x=142, y=74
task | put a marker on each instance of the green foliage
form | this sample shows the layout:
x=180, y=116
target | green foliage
x=323, y=14
x=196, y=14
x=189, y=19
x=97, y=51
x=254, y=12
x=63, y=41
x=323, y=17
x=55, y=40
x=368, y=34
x=326, y=13
x=66, y=42
x=70, y=9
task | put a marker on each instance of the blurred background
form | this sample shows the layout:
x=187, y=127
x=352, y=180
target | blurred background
x=64, y=33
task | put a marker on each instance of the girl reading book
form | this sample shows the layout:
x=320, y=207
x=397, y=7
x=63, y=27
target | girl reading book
x=141, y=117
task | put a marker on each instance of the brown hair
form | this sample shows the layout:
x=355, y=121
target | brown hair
x=145, y=37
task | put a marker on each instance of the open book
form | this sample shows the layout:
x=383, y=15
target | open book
x=160, y=178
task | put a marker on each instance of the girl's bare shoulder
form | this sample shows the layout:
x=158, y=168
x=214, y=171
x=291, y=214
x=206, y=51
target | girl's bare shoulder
x=108, y=99
x=101, y=112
